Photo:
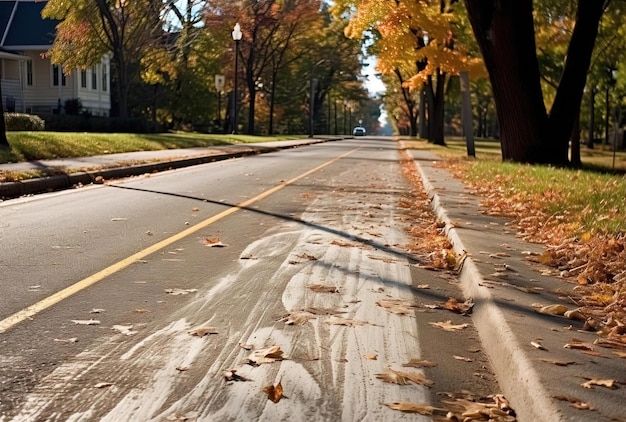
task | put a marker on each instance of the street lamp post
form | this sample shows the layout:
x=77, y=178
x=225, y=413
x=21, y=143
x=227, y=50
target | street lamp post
x=314, y=82
x=219, y=87
x=237, y=35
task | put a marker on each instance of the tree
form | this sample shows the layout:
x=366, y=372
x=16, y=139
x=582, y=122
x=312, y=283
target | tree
x=90, y=29
x=417, y=42
x=506, y=36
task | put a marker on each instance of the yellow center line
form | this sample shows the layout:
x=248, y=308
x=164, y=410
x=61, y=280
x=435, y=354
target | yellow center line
x=32, y=310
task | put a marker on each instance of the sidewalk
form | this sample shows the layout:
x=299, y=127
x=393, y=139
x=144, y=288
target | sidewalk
x=542, y=384
x=85, y=170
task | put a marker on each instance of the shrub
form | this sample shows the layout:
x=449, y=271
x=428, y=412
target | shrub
x=73, y=106
x=87, y=123
x=20, y=122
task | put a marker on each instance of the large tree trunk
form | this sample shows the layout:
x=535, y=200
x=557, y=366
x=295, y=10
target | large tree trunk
x=506, y=36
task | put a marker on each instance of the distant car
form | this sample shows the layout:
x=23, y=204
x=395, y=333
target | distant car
x=359, y=131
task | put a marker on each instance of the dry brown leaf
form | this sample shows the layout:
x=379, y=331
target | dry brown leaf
x=576, y=403
x=269, y=355
x=86, y=321
x=103, y=384
x=448, y=325
x=124, y=329
x=619, y=354
x=406, y=407
x=274, y=392
x=463, y=358
x=396, y=306
x=97, y=311
x=555, y=309
x=178, y=292
x=231, y=375
x=319, y=288
x=372, y=356
x=182, y=368
x=608, y=383
x=423, y=286
x=466, y=410
x=298, y=318
x=460, y=308
x=579, y=345
x=203, y=331
x=66, y=340
x=419, y=363
x=404, y=378
x=343, y=321
x=537, y=345
x=214, y=242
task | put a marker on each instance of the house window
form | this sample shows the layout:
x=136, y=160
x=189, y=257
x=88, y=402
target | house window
x=29, y=73
x=105, y=78
x=83, y=79
x=94, y=77
x=56, y=73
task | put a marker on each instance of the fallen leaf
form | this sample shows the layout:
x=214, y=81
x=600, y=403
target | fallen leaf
x=576, y=403
x=203, y=331
x=579, y=345
x=195, y=209
x=97, y=311
x=140, y=311
x=419, y=363
x=177, y=291
x=269, y=355
x=182, y=368
x=553, y=310
x=298, y=318
x=608, y=383
x=404, y=378
x=274, y=392
x=396, y=306
x=103, y=384
x=537, y=345
x=372, y=356
x=124, y=329
x=406, y=407
x=460, y=308
x=214, y=242
x=119, y=219
x=319, y=288
x=423, y=286
x=448, y=326
x=86, y=321
x=66, y=340
x=464, y=359
x=231, y=375
x=346, y=322
x=619, y=354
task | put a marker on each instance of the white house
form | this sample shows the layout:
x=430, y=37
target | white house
x=30, y=83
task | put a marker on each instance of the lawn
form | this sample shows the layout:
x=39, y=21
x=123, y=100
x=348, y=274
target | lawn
x=49, y=145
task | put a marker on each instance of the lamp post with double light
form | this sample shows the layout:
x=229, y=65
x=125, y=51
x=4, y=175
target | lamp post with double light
x=237, y=35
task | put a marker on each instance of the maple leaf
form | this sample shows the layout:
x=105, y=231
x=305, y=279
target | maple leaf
x=555, y=309
x=460, y=308
x=396, y=306
x=269, y=355
x=298, y=318
x=231, y=375
x=274, y=392
x=448, y=326
x=404, y=378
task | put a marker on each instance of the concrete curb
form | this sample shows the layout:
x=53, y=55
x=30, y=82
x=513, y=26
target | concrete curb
x=9, y=190
x=516, y=376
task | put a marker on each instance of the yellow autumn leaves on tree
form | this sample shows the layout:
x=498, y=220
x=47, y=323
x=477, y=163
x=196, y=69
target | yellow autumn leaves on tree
x=410, y=32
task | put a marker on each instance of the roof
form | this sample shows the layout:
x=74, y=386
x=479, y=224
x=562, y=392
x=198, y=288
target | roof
x=22, y=27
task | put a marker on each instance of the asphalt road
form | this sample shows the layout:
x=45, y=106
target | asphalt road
x=235, y=249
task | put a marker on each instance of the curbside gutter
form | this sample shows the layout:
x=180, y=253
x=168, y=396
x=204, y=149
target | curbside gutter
x=518, y=379
x=9, y=190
